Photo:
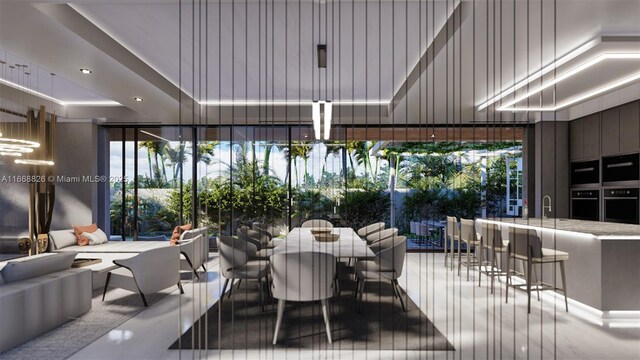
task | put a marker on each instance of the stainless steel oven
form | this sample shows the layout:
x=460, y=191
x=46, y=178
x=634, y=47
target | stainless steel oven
x=585, y=205
x=621, y=205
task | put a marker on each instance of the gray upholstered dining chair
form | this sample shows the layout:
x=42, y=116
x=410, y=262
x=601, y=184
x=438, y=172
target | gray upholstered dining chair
x=387, y=266
x=303, y=276
x=491, y=241
x=363, y=232
x=272, y=230
x=469, y=237
x=254, y=243
x=381, y=235
x=146, y=273
x=317, y=223
x=525, y=245
x=235, y=264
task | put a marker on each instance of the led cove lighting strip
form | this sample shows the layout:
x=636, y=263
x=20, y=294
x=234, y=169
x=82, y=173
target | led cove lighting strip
x=287, y=102
x=540, y=73
x=568, y=74
x=58, y=101
x=579, y=98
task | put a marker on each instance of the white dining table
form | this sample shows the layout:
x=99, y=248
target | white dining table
x=349, y=245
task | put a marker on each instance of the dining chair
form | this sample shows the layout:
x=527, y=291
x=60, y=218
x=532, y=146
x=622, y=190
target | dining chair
x=381, y=235
x=370, y=229
x=303, y=276
x=491, y=241
x=422, y=231
x=469, y=237
x=146, y=273
x=453, y=233
x=254, y=243
x=525, y=245
x=413, y=227
x=387, y=266
x=317, y=223
x=235, y=264
x=272, y=230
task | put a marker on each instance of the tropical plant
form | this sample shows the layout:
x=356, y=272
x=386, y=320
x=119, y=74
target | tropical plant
x=363, y=207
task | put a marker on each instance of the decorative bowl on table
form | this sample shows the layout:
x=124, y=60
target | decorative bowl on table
x=326, y=237
x=320, y=230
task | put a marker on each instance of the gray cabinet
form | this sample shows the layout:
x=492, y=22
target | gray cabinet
x=576, y=139
x=591, y=140
x=610, y=130
x=629, y=127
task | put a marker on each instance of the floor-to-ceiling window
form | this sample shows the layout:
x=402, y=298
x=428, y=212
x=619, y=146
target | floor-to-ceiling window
x=237, y=175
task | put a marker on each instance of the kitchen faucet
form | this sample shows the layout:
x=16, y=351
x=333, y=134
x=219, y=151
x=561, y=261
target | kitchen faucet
x=546, y=207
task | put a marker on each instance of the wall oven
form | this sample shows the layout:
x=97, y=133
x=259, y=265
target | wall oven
x=621, y=168
x=585, y=205
x=585, y=172
x=621, y=205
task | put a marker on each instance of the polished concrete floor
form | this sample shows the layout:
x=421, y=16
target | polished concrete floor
x=479, y=324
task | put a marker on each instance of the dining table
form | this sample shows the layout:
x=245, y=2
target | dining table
x=348, y=245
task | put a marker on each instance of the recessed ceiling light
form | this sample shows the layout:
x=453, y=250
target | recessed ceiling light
x=85, y=71
x=138, y=99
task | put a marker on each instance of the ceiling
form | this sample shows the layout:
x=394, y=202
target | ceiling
x=402, y=62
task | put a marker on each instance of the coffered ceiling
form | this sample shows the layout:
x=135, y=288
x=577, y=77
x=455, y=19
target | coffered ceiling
x=388, y=62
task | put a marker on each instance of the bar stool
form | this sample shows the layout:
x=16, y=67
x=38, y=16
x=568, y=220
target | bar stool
x=525, y=245
x=490, y=240
x=453, y=232
x=468, y=236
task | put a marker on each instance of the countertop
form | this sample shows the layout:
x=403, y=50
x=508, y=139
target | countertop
x=601, y=230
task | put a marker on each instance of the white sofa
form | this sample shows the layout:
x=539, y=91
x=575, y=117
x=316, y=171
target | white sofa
x=39, y=293
x=65, y=241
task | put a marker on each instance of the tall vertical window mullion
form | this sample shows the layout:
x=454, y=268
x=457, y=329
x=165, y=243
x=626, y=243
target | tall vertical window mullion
x=194, y=176
x=135, y=186
x=124, y=186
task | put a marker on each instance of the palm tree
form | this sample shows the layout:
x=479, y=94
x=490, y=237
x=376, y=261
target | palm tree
x=175, y=156
x=431, y=171
x=360, y=150
x=333, y=148
x=205, y=152
x=303, y=150
x=147, y=145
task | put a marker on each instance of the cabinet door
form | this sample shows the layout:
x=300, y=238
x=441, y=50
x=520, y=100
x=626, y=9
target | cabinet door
x=629, y=127
x=591, y=140
x=576, y=139
x=610, y=129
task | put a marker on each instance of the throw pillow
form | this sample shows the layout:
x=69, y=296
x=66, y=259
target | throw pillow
x=101, y=235
x=96, y=238
x=177, y=231
x=79, y=229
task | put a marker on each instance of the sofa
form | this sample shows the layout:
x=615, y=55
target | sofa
x=39, y=293
x=61, y=241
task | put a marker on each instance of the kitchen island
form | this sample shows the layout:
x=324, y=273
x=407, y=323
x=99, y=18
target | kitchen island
x=603, y=270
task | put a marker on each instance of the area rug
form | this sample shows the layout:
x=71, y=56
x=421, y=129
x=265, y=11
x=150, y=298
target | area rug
x=70, y=337
x=379, y=325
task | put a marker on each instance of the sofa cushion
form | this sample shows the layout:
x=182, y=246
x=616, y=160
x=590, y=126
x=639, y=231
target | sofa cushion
x=62, y=238
x=33, y=266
